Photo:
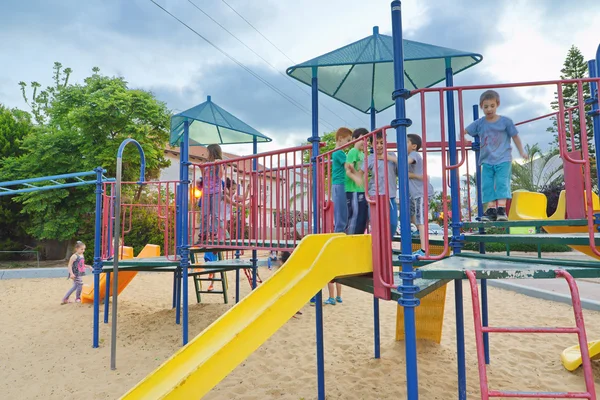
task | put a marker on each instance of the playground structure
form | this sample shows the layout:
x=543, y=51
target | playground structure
x=302, y=190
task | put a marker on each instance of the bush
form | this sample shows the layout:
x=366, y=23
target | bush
x=525, y=247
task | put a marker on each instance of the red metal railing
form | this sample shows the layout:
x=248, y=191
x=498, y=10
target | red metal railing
x=259, y=201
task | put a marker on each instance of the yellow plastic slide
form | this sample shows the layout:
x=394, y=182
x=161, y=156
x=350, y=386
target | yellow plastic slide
x=571, y=356
x=195, y=369
x=150, y=250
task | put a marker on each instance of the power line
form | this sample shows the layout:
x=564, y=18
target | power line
x=269, y=85
x=279, y=50
x=298, y=85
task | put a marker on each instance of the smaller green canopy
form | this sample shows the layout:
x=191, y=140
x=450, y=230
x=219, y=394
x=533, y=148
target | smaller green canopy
x=361, y=74
x=209, y=123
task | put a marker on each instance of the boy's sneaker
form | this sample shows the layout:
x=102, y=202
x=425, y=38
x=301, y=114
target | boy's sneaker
x=330, y=301
x=313, y=301
x=490, y=215
x=419, y=253
x=338, y=299
x=501, y=214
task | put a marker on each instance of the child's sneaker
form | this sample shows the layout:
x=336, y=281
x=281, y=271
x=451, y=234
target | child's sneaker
x=330, y=301
x=501, y=214
x=313, y=301
x=338, y=299
x=490, y=215
x=419, y=253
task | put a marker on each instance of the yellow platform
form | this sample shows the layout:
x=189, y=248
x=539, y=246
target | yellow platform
x=208, y=358
x=125, y=277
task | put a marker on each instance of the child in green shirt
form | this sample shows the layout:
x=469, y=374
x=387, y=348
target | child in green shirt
x=358, y=209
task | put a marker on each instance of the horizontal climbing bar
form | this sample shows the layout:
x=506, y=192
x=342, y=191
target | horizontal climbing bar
x=529, y=330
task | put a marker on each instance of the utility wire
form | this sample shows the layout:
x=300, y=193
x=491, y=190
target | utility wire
x=298, y=85
x=279, y=50
x=272, y=87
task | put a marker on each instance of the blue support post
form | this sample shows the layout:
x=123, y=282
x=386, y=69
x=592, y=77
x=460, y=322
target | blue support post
x=376, y=331
x=408, y=289
x=254, y=252
x=184, y=218
x=97, y=268
x=174, y=288
x=484, y=297
x=455, y=242
x=594, y=71
x=315, y=139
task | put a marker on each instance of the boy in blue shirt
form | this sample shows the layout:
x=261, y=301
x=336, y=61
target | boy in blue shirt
x=495, y=155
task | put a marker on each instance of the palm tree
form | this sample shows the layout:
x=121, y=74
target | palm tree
x=539, y=171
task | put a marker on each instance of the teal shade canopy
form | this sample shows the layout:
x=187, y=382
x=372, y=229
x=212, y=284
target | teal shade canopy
x=361, y=74
x=209, y=123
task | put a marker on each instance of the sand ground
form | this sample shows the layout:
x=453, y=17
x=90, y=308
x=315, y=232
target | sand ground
x=46, y=353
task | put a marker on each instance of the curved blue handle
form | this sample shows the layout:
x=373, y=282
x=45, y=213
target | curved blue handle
x=142, y=156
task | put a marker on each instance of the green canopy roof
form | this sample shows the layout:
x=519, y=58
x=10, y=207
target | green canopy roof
x=363, y=72
x=209, y=123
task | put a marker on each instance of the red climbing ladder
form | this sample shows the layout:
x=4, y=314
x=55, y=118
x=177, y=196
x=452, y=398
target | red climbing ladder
x=486, y=393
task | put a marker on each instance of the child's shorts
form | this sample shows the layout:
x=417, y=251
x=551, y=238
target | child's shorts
x=495, y=181
x=417, y=210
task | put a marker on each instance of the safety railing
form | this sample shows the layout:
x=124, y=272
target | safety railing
x=152, y=201
x=260, y=201
x=564, y=116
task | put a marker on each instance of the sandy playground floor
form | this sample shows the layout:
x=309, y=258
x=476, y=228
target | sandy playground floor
x=46, y=350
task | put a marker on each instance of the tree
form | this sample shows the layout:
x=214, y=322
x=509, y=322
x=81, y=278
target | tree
x=80, y=127
x=574, y=67
x=14, y=126
x=328, y=139
x=538, y=172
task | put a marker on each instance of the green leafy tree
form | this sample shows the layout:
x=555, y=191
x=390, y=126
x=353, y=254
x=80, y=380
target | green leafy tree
x=574, y=67
x=328, y=139
x=14, y=126
x=539, y=171
x=80, y=127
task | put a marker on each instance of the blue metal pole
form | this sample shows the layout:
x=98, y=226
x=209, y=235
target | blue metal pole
x=408, y=289
x=185, y=248
x=484, y=296
x=175, y=288
x=315, y=139
x=376, y=330
x=456, y=236
x=254, y=252
x=594, y=71
x=97, y=256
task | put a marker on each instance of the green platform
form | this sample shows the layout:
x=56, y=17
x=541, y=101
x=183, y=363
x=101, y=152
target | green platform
x=533, y=223
x=365, y=284
x=505, y=268
x=576, y=239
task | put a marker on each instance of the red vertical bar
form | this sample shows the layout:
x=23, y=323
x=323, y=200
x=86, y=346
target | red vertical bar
x=571, y=131
x=278, y=226
x=483, y=383
x=425, y=175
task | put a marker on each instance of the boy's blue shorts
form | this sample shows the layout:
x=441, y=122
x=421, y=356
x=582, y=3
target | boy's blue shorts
x=495, y=181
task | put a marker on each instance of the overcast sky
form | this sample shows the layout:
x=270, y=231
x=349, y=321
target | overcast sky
x=519, y=41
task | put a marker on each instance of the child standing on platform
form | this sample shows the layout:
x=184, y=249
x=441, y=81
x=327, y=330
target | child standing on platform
x=495, y=155
x=76, y=270
x=338, y=196
x=376, y=162
x=415, y=188
x=358, y=209
x=213, y=193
